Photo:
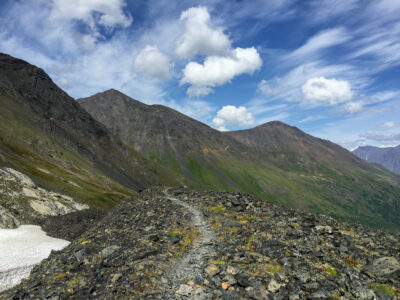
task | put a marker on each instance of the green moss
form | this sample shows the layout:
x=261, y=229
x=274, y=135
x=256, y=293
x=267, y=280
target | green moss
x=59, y=276
x=232, y=229
x=77, y=279
x=174, y=234
x=388, y=290
x=272, y=268
x=217, y=262
x=249, y=240
x=331, y=271
x=218, y=209
x=246, y=218
x=217, y=226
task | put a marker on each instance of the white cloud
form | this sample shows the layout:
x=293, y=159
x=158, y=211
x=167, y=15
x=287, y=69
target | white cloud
x=197, y=109
x=381, y=96
x=389, y=124
x=93, y=13
x=152, y=62
x=87, y=42
x=111, y=13
x=199, y=91
x=383, y=138
x=327, y=90
x=62, y=82
x=199, y=36
x=218, y=70
x=320, y=41
x=232, y=115
x=353, y=107
x=311, y=119
x=329, y=9
x=265, y=88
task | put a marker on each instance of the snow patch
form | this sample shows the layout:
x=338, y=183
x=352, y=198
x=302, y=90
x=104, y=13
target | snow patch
x=21, y=249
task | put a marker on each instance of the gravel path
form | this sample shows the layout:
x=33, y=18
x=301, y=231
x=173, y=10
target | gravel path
x=189, y=267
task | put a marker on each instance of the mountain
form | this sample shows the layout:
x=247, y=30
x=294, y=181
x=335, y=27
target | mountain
x=166, y=136
x=388, y=157
x=282, y=143
x=46, y=135
x=273, y=161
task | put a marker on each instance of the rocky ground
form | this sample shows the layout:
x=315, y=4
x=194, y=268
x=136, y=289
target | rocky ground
x=176, y=243
x=23, y=202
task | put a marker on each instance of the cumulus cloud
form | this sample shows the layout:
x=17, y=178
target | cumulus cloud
x=199, y=36
x=218, y=70
x=152, y=62
x=327, y=90
x=353, y=107
x=232, y=115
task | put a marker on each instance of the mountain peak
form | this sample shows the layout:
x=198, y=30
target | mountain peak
x=113, y=91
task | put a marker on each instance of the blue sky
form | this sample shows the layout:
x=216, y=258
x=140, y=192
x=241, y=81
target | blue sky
x=329, y=67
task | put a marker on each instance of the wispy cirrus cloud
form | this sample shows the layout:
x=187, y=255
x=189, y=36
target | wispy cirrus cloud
x=314, y=45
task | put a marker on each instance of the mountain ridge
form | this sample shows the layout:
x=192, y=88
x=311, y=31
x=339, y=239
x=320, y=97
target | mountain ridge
x=272, y=161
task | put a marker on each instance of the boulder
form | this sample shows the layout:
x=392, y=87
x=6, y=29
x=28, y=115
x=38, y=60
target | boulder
x=387, y=267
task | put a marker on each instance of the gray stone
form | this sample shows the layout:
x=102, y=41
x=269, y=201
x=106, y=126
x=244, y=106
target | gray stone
x=212, y=270
x=232, y=270
x=184, y=290
x=364, y=294
x=257, y=292
x=303, y=276
x=323, y=229
x=273, y=286
x=320, y=295
x=7, y=220
x=109, y=250
x=385, y=267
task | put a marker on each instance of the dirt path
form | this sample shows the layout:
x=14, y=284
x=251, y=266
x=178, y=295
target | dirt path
x=189, y=267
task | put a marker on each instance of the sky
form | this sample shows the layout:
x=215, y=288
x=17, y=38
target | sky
x=329, y=67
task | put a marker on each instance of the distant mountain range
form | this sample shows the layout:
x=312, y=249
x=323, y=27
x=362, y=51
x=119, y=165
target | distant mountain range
x=388, y=157
x=102, y=149
x=273, y=161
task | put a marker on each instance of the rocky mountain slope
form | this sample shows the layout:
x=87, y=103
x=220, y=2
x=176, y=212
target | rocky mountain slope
x=180, y=244
x=272, y=161
x=388, y=157
x=23, y=202
x=47, y=136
